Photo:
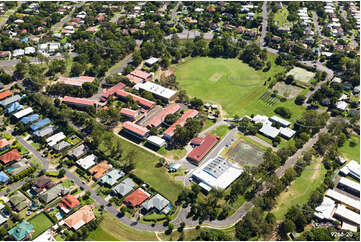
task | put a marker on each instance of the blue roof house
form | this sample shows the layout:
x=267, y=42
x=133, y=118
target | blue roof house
x=14, y=107
x=3, y=177
x=30, y=118
x=40, y=124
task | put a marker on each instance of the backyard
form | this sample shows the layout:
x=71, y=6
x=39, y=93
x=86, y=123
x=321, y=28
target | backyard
x=41, y=223
x=238, y=88
x=300, y=189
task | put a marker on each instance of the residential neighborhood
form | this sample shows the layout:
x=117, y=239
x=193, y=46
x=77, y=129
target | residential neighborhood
x=179, y=120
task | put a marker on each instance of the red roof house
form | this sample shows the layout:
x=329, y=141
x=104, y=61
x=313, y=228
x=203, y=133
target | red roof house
x=10, y=156
x=136, y=130
x=181, y=121
x=137, y=76
x=81, y=102
x=5, y=94
x=136, y=198
x=157, y=121
x=68, y=203
x=207, y=143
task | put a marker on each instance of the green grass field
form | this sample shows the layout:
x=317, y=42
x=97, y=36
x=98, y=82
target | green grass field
x=351, y=152
x=145, y=169
x=110, y=229
x=301, y=74
x=237, y=87
x=280, y=18
x=300, y=189
x=220, y=131
x=41, y=223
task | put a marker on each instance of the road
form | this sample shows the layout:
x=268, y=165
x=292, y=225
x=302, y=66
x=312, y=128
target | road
x=9, y=13
x=58, y=25
x=264, y=23
x=344, y=15
x=35, y=152
x=317, y=26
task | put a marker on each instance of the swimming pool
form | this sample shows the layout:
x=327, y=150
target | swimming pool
x=59, y=215
x=10, y=169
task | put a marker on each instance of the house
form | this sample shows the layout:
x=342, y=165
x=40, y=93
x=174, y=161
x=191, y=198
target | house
x=124, y=187
x=87, y=161
x=218, y=173
x=346, y=215
x=45, y=132
x=132, y=114
x=40, y=124
x=3, y=177
x=155, y=140
x=76, y=81
x=22, y=231
x=54, y=139
x=158, y=202
x=4, y=103
x=168, y=134
x=10, y=156
x=41, y=184
x=157, y=121
x=18, y=201
x=151, y=61
x=29, y=50
x=53, y=193
x=81, y=217
x=14, y=107
x=111, y=177
x=61, y=146
x=99, y=169
x=5, y=94
x=18, y=52
x=325, y=210
x=158, y=91
x=23, y=113
x=199, y=152
x=142, y=101
x=79, y=102
x=136, y=198
x=269, y=131
x=18, y=167
x=341, y=105
x=135, y=130
x=351, y=169
x=4, y=54
x=78, y=152
x=68, y=203
x=3, y=218
x=30, y=119
x=4, y=144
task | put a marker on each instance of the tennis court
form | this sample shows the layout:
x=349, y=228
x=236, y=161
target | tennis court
x=246, y=154
x=301, y=74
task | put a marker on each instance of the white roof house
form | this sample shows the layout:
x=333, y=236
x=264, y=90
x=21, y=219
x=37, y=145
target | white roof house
x=339, y=197
x=29, y=50
x=155, y=140
x=325, y=209
x=87, y=161
x=151, y=61
x=52, y=140
x=269, y=131
x=217, y=172
x=347, y=214
x=23, y=113
x=281, y=121
x=18, y=52
x=156, y=89
x=341, y=105
x=287, y=132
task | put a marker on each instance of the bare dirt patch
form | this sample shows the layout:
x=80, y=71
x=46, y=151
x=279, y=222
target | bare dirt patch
x=215, y=77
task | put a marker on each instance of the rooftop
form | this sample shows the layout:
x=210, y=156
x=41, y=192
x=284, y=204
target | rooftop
x=76, y=81
x=181, y=121
x=12, y=155
x=79, y=101
x=137, y=197
x=81, y=217
x=156, y=89
x=198, y=153
x=99, y=169
x=134, y=128
x=171, y=109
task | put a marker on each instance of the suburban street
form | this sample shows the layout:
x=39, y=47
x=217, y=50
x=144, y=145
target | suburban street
x=56, y=27
x=264, y=23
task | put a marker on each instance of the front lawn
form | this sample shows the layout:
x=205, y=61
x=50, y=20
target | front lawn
x=41, y=223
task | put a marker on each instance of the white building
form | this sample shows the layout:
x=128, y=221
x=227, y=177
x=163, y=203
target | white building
x=52, y=140
x=325, y=210
x=29, y=50
x=281, y=121
x=18, y=52
x=349, y=186
x=217, y=173
x=157, y=90
x=155, y=140
x=269, y=131
x=347, y=215
x=343, y=199
x=151, y=61
x=87, y=161
x=287, y=132
x=352, y=169
x=46, y=236
x=341, y=105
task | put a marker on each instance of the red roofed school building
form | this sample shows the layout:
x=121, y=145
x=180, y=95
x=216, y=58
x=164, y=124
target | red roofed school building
x=136, y=198
x=112, y=91
x=157, y=121
x=168, y=134
x=135, y=130
x=129, y=113
x=137, y=76
x=68, y=203
x=80, y=102
x=145, y=103
x=205, y=145
x=10, y=156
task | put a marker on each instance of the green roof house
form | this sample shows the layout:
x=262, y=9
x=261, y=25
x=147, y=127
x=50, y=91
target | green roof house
x=53, y=193
x=112, y=177
x=22, y=231
x=18, y=201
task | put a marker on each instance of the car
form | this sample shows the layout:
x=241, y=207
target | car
x=186, y=171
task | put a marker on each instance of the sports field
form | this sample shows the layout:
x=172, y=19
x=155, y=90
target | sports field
x=301, y=74
x=246, y=154
x=238, y=88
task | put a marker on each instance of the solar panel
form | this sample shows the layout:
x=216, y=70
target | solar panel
x=217, y=167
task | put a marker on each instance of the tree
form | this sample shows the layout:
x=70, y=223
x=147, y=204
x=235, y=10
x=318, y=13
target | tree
x=196, y=103
x=76, y=69
x=283, y=112
x=171, y=118
x=300, y=99
x=289, y=79
x=287, y=226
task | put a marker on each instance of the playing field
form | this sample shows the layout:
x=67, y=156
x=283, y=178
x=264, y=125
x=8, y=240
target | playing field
x=301, y=74
x=238, y=88
x=246, y=154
